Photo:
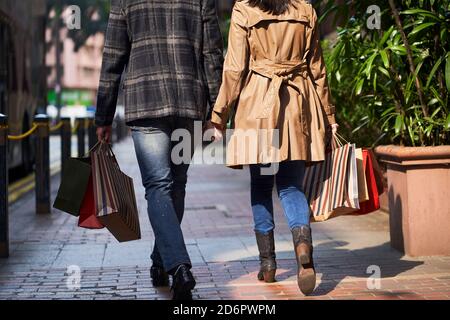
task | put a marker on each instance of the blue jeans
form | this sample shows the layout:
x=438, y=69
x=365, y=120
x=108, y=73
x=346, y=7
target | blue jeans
x=289, y=186
x=165, y=186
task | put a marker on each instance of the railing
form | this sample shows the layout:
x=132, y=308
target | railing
x=42, y=129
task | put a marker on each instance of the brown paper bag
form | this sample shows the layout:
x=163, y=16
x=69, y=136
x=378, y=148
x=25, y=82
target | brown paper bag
x=114, y=196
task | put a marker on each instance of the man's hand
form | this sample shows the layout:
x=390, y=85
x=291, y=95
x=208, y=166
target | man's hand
x=104, y=134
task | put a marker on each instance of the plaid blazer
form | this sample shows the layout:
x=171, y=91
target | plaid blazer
x=172, y=54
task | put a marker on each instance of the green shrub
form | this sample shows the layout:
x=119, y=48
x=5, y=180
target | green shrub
x=391, y=85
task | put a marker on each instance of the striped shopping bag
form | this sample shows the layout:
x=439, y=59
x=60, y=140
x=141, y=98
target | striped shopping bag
x=115, y=199
x=331, y=186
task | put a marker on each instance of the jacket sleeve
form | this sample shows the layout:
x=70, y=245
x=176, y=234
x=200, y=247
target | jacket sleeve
x=212, y=52
x=235, y=69
x=115, y=57
x=318, y=70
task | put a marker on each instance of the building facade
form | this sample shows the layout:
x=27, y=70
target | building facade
x=80, y=69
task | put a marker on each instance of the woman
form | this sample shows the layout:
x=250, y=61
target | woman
x=275, y=83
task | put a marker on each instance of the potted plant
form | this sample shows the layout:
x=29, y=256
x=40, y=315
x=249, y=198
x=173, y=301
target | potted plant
x=391, y=86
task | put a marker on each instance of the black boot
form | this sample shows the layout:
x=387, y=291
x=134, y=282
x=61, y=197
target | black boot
x=304, y=252
x=183, y=283
x=266, y=246
x=159, y=276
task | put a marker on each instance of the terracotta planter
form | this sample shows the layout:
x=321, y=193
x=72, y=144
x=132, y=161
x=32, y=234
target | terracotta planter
x=419, y=198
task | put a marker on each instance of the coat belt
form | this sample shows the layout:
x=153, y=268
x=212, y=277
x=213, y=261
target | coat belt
x=280, y=74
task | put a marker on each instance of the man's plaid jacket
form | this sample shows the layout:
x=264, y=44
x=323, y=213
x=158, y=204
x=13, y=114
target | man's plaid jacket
x=172, y=54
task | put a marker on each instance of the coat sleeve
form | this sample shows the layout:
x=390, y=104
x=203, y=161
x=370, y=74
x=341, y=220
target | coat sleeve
x=235, y=68
x=115, y=57
x=212, y=52
x=318, y=70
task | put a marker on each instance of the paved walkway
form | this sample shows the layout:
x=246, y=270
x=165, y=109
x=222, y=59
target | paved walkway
x=218, y=231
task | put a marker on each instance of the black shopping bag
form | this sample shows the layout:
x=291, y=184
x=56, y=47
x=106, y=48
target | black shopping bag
x=74, y=183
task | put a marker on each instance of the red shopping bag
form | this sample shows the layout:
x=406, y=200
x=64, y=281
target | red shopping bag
x=88, y=217
x=373, y=184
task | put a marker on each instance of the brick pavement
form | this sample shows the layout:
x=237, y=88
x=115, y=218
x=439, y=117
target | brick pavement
x=219, y=236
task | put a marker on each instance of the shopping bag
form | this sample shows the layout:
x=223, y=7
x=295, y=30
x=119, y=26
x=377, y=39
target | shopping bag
x=74, y=182
x=88, y=215
x=379, y=178
x=331, y=186
x=114, y=195
x=373, y=203
x=362, y=183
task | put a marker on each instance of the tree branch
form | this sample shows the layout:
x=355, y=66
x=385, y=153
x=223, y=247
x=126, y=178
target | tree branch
x=409, y=55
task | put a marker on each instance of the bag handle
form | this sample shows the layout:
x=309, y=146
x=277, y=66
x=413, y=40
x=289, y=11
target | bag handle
x=107, y=150
x=338, y=136
x=338, y=141
x=106, y=147
x=94, y=148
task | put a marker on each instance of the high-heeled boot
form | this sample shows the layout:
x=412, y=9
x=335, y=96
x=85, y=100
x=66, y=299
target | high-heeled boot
x=266, y=246
x=306, y=275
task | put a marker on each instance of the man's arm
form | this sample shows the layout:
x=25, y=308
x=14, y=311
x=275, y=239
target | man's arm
x=115, y=57
x=212, y=52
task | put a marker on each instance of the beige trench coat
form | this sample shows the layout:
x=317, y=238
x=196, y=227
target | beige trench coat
x=276, y=86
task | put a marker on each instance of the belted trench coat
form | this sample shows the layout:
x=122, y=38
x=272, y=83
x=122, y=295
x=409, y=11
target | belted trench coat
x=274, y=87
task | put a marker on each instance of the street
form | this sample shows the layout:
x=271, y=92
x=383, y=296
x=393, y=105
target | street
x=353, y=256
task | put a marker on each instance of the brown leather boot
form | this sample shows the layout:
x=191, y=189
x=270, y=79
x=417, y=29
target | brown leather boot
x=306, y=275
x=266, y=246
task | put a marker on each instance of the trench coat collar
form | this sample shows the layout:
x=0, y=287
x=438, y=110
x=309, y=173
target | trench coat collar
x=256, y=16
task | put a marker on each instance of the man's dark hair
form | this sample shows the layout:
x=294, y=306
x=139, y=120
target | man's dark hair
x=272, y=6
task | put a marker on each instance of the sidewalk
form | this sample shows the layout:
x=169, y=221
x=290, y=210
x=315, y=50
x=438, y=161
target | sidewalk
x=219, y=235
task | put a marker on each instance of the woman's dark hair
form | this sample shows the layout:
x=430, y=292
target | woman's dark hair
x=272, y=6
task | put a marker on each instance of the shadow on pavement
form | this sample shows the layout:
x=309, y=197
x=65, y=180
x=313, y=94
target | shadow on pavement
x=383, y=256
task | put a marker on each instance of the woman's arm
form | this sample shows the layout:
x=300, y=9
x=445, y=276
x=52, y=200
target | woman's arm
x=235, y=69
x=318, y=70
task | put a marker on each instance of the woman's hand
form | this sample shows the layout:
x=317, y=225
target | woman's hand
x=334, y=128
x=218, y=131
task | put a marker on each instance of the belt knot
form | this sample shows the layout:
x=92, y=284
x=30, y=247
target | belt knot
x=280, y=73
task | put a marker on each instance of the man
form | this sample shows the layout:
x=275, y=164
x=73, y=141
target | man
x=172, y=55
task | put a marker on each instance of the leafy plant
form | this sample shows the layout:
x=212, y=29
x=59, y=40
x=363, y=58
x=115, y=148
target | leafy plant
x=391, y=85
x=225, y=22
